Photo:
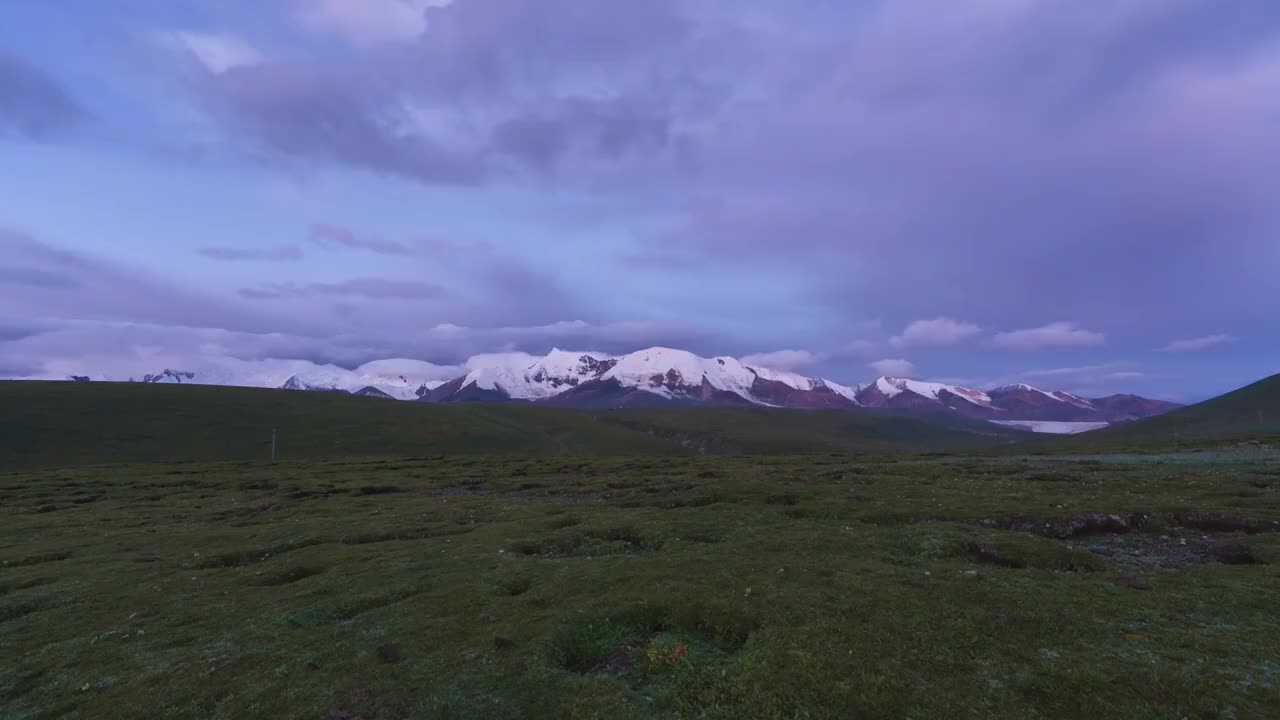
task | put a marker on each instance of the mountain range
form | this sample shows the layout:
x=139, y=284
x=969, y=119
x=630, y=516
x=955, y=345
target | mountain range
x=664, y=377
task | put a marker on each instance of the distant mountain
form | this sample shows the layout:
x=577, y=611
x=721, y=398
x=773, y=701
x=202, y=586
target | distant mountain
x=658, y=377
x=664, y=376
x=647, y=378
x=398, y=379
x=1250, y=414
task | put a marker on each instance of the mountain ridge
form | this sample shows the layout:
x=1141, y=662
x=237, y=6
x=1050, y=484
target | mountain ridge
x=660, y=376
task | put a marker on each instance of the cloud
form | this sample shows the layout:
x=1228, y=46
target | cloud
x=217, y=52
x=783, y=359
x=336, y=237
x=373, y=288
x=43, y=281
x=514, y=90
x=893, y=367
x=1091, y=376
x=277, y=254
x=1197, y=344
x=366, y=22
x=333, y=115
x=33, y=104
x=35, y=277
x=62, y=347
x=1054, y=336
x=934, y=333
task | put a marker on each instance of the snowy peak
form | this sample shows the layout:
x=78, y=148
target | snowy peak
x=519, y=376
x=656, y=375
x=649, y=377
x=674, y=373
x=889, y=392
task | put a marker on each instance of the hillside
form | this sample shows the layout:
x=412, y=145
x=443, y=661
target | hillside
x=68, y=424
x=1251, y=413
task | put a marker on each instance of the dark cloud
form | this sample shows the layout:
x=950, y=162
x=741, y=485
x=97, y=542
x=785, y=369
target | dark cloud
x=277, y=254
x=337, y=237
x=997, y=160
x=493, y=81
x=334, y=115
x=50, y=282
x=32, y=103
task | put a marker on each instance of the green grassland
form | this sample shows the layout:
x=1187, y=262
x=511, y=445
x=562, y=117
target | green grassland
x=406, y=561
x=660, y=587
x=70, y=424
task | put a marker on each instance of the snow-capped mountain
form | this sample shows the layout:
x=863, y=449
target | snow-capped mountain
x=656, y=376
x=400, y=379
x=665, y=376
x=651, y=377
x=901, y=394
x=1010, y=404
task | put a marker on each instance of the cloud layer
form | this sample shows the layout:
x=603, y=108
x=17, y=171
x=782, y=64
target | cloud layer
x=740, y=176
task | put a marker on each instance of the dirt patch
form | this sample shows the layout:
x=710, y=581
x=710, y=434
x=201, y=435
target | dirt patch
x=36, y=559
x=457, y=491
x=364, y=705
x=378, y=490
x=1177, y=548
x=419, y=533
x=347, y=610
x=785, y=499
x=1224, y=522
x=242, y=558
x=1078, y=525
x=389, y=653
x=23, y=608
x=617, y=660
x=592, y=543
x=515, y=586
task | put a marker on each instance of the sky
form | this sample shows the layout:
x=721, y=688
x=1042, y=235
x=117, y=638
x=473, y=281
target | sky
x=1077, y=195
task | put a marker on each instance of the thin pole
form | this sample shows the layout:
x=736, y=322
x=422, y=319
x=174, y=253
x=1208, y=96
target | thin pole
x=273, y=444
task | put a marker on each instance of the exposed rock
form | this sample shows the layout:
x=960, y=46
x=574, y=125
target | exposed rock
x=1081, y=524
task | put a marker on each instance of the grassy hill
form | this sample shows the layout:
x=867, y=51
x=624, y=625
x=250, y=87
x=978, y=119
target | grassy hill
x=69, y=424
x=1251, y=413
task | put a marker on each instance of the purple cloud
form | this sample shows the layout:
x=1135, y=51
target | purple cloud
x=782, y=359
x=337, y=237
x=934, y=333
x=35, y=277
x=1198, y=344
x=33, y=104
x=277, y=254
x=893, y=367
x=1054, y=336
x=370, y=288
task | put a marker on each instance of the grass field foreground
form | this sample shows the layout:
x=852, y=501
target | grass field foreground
x=817, y=587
